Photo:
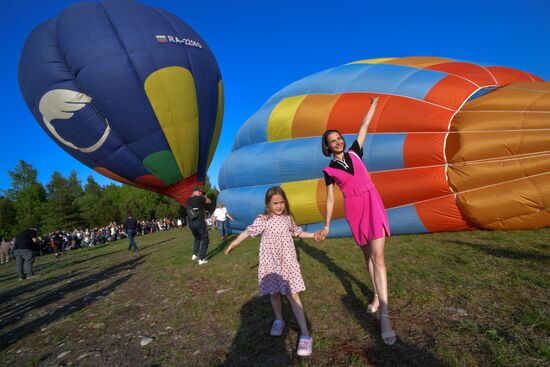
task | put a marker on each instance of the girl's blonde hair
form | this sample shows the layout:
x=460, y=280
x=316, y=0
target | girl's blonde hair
x=272, y=191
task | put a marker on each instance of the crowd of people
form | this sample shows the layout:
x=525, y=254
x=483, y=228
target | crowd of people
x=63, y=240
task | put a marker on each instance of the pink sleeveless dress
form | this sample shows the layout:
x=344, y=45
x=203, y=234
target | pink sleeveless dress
x=365, y=212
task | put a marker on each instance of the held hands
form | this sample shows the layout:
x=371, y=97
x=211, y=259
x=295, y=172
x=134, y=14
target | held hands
x=320, y=235
x=323, y=233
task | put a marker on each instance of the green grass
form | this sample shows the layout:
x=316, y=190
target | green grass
x=457, y=299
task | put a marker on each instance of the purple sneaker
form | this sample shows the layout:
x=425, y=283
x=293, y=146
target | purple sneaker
x=305, y=346
x=277, y=328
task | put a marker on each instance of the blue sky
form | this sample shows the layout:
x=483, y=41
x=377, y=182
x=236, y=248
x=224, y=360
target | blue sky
x=262, y=46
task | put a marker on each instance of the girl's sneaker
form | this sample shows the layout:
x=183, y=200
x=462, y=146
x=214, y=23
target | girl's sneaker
x=277, y=328
x=305, y=346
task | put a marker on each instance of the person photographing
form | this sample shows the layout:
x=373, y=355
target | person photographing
x=196, y=222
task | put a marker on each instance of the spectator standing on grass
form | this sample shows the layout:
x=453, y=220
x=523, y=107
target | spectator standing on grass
x=220, y=219
x=4, y=251
x=197, y=224
x=25, y=244
x=57, y=242
x=130, y=227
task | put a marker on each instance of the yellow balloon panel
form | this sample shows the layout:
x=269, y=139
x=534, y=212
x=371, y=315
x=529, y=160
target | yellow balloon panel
x=172, y=94
x=307, y=200
x=302, y=199
x=279, y=125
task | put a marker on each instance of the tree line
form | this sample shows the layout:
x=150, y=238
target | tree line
x=65, y=203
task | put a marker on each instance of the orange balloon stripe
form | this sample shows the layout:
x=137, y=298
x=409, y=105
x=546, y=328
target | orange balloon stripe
x=348, y=112
x=505, y=205
x=472, y=121
x=473, y=72
x=113, y=176
x=451, y=92
x=442, y=214
x=338, y=211
x=515, y=97
x=401, y=187
x=506, y=75
x=474, y=175
x=400, y=114
x=312, y=115
x=421, y=150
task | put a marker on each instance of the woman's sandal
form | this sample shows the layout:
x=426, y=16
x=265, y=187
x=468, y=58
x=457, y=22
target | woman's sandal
x=388, y=337
x=370, y=307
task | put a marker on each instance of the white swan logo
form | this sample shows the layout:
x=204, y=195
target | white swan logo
x=61, y=104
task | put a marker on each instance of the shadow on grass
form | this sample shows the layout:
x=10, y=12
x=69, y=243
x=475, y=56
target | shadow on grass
x=221, y=246
x=53, y=295
x=31, y=286
x=252, y=345
x=157, y=243
x=5, y=277
x=61, y=262
x=502, y=252
x=377, y=353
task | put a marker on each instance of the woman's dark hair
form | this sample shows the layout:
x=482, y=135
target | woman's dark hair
x=272, y=191
x=324, y=143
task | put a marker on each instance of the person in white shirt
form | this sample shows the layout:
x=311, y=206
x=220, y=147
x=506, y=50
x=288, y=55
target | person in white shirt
x=220, y=218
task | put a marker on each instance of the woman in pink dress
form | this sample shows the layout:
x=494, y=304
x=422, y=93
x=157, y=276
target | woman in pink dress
x=364, y=211
x=279, y=271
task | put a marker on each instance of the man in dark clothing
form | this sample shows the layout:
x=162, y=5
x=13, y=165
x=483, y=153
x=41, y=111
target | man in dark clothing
x=57, y=240
x=130, y=227
x=23, y=251
x=197, y=224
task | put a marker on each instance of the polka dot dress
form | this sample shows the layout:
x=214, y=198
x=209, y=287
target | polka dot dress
x=279, y=271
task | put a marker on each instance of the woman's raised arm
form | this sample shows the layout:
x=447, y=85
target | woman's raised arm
x=366, y=121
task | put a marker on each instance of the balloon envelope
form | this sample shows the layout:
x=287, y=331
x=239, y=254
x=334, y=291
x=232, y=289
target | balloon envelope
x=129, y=90
x=454, y=145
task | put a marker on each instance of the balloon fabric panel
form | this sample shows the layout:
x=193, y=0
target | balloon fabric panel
x=171, y=92
x=446, y=134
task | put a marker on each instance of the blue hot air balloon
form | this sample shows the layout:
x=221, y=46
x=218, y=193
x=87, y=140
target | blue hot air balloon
x=129, y=90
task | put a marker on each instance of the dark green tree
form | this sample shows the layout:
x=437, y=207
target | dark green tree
x=27, y=195
x=62, y=208
x=7, y=218
x=110, y=205
x=90, y=204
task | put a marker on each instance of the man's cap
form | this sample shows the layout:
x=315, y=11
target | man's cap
x=197, y=188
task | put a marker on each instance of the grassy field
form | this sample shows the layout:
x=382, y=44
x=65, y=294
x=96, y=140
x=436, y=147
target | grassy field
x=457, y=299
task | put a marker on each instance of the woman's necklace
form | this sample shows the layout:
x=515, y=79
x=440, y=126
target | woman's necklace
x=342, y=162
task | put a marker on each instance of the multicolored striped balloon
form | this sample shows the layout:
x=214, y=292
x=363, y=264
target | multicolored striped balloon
x=129, y=90
x=454, y=145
